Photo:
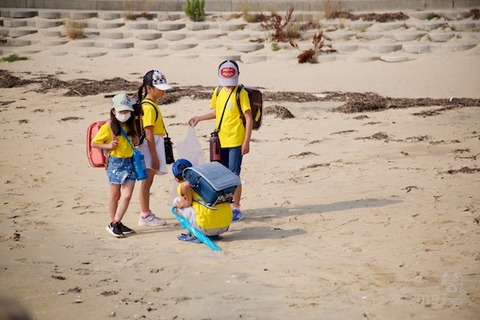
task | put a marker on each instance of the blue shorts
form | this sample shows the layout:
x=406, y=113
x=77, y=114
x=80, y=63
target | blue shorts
x=119, y=170
x=232, y=159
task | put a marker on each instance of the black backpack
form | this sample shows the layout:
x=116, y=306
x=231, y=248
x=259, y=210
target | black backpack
x=256, y=104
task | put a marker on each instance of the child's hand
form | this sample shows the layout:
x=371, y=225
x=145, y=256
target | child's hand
x=136, y=141
x=193, y=122
x=113, y=144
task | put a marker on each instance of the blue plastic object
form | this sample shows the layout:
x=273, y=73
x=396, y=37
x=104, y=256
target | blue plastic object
x=197, y=233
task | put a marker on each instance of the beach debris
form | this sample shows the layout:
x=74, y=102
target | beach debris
x=410, y=188
x=343, y=132
x=16, y=236
x=302, y=155
x=463, y=170
x=279, y=112
x=76, y=290
x=58, y=277
x=376, y=136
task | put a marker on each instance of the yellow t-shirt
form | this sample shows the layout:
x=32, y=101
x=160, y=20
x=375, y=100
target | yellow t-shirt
x=104, y=135
x=148, y=117
x=210, y=218
x=232, y=130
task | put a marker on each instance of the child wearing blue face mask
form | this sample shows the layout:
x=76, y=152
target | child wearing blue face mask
x=120, y=172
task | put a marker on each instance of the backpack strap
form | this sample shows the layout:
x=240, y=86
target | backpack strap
x=153, y=106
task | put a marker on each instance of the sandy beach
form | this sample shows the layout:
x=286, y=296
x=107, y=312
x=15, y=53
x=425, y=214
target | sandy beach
x=366, y=215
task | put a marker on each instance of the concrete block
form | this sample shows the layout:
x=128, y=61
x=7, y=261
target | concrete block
x=342, y=47
x=248, y=47
x=210, y=45
x=57, y=53
x=174, y=36
x=177, y=46
x=136, y=25
x=19, y=13
x=440, y=36
x=50, y=33
x=82, y=14
x=112, y=34
x=462, y=25
x=148, y=45
x=238, y=35
x=407, y=35
x=14, y=23
x=47, y=23
x=16, y=32
x=91, y=54
x=119, y=44
x=49, y=14
x=339, y=35
x=231, y=26
x=370, y=35
x=109, y=15
x=109, y=24
x=84, y=43
x=383, y=48
x=170, y=26
x=148, y=36
x=197, y=26
x=416, y=48
x=395, y=58
x=388, y=26
x=54, y=42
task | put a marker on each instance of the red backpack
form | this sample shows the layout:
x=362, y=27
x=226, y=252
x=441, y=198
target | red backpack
x=98, y=158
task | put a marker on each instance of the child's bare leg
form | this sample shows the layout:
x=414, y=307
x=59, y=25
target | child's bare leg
x=126, y=195
x=144, y=198
x=113, y=200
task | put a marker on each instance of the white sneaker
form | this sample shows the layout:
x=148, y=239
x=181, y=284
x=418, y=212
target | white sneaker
x=151, y=221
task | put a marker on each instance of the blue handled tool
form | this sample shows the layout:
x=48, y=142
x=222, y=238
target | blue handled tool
x=197, y=233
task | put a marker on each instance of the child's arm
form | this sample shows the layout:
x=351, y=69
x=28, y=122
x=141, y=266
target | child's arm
x=106, y=146
x=187, y=195
x=248, y=132
x=193, y=121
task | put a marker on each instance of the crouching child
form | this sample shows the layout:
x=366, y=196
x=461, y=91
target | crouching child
x=211, y=221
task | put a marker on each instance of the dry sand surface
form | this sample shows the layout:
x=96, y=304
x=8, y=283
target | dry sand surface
x=368, y=215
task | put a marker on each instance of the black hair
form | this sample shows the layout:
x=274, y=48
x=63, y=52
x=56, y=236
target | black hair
x=115, y=124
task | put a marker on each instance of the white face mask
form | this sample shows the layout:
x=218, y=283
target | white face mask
x=123, y=117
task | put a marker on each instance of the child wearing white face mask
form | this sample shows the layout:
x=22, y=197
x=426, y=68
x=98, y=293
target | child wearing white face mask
x=120, y=172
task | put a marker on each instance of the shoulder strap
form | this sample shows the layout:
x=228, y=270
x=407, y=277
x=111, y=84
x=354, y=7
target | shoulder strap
x=224, y=108
x=126, y=137
x=153, y=106
x=237, y=96
x=156, y=114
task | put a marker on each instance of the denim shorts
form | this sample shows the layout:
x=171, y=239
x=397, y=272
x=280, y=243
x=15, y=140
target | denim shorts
x=119, y=170
x=232, y=159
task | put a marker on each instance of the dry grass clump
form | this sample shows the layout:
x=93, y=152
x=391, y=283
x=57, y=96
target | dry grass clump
x=281, y=26
x=75, y=28
x=129, y=15
x=331, y=9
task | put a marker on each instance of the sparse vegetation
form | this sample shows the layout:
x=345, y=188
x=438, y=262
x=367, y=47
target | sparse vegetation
x=310, y=55
x=13, y=57
x=280, y=26
x=275, y=46
x=330, y=9
x=195, y=9
x=432, y=16
x=75, y=28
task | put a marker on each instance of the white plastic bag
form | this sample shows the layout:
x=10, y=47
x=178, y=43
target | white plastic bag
x=190, y=148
